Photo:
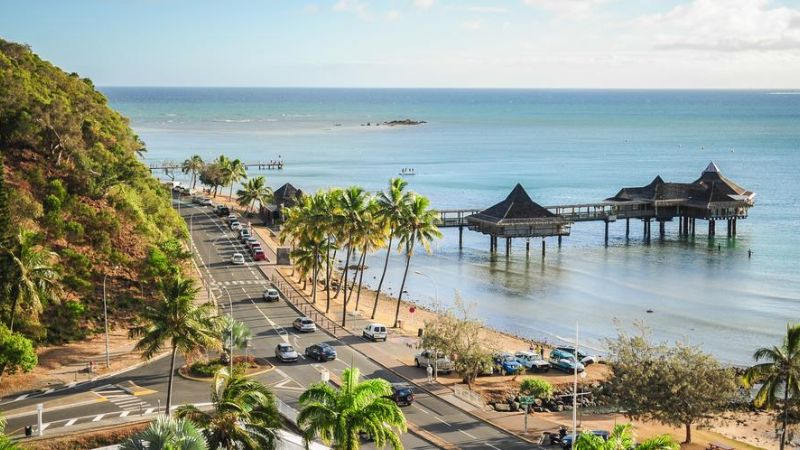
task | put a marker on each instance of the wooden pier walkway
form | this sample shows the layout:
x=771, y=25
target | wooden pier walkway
x=167, y=167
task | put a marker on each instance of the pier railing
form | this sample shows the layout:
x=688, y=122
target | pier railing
x=583, y=212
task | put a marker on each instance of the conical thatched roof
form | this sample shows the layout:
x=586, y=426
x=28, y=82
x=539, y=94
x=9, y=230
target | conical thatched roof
x=518, y=206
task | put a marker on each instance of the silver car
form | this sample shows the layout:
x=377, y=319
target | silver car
x=285, y=353
x=304, y=324
x=271, y=295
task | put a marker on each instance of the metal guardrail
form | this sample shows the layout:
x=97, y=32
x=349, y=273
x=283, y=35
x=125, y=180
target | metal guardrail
x=303, y=303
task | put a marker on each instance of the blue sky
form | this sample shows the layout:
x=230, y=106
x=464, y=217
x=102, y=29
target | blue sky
x=417, y=43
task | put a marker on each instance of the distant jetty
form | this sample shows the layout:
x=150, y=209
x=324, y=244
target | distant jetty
x=393, y=123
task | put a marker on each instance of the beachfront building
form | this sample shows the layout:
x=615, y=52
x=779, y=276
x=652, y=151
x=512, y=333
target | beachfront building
x=518, y=217
x=712, y=197
x=285, y=196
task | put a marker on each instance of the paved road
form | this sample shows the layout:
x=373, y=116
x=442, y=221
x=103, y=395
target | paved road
x=270, y=323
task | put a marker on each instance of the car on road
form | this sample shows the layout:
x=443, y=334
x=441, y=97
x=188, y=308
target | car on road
x=259, y=255
x=251, y=242
x=532, y=361
x=237, y=259
x=506, y=363
x=304, y=324
x=207, y=202
x=565, y=362
x=244, y=233
x=441, y=364
x=236, y=226
x=375, y=332
x=271, y=295
x=582, y=357
x=231, y=218
x=321, y=352
x=285, y=353
x=402, y=393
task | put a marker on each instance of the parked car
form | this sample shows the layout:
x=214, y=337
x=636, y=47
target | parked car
x=237, y=259
x=304, y=324
x=532, y=361
x=231, y=218
x=506, y=363
x=402, y=393
x=259, y=255
x=251, y=242
x=222, y=210
x=285, y=353
x=441, y=364
x=253, y=248
x=564, y=361
x=244, y=233
x=197, y=199
x=566, y=441
x=271, y=295
x=321, y=352
x=207, y=202
x=582, y=357
x=375, y=332
x=236, y=226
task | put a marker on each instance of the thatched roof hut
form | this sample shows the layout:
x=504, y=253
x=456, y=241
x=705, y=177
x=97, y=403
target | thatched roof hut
x=518, y=216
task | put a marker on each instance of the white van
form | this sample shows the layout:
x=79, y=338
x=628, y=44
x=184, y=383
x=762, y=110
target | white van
x=375, y=332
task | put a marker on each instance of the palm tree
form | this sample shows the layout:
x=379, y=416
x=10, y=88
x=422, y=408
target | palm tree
x=337, y=416
x=32, y=278
x=373, y=237
x=194, y=165
x=5, y=442
x=254, y=190
x=166, y=433
x=392, y=204
x=354, y=207
x=241, y=334
x=245, y=415
x=621, y=438
x=235, y=170
x=779, y=375
x=177, y=323
x=418, y=226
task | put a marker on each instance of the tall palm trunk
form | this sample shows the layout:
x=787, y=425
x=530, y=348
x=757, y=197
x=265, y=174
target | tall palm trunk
x=171, y=378
x=194, y=179
x=344, y=276
x=355, y=275
x=383, y=275
x=361, y=276
x=315, y=271
x=403, y=284
x=328, y=270
x=785, y=418
x=14, y=302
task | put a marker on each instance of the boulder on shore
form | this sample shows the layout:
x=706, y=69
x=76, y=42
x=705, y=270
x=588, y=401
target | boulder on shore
x=392, y=123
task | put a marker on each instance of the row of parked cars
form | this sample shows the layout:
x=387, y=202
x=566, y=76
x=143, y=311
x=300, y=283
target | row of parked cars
x=561, y=358
x=251, y=243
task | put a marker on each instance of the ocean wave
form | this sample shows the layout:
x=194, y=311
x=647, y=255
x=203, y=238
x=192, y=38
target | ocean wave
x=232, y=120
x=784, y=93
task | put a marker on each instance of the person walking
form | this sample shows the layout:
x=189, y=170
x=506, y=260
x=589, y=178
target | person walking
x=430, y=373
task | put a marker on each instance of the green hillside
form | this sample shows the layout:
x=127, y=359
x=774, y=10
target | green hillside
x=76, y=199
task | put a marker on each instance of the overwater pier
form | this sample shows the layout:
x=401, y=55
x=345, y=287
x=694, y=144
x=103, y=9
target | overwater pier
x=712, y=197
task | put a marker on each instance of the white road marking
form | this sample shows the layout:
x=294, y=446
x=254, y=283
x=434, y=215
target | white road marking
x=48, y=391
x=423, y=410
x=98, y=417
x=45, y=425
x=149, y=410
x=490, y=445
x=440, y=420
x=468, y=435
x=124, y=413
x=21, y=397
x=70, y=422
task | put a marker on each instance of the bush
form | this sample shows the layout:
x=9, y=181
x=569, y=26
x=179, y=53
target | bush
x=52, y=203
x=536, y=387
x=74, y=230
x=16, y=351
x=205, y=368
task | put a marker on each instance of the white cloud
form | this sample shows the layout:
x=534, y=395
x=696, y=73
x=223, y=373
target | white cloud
x=472, y=25
x=487, y=9
x=729, y=26
x=393, y=15
x=352, y=6
x=424, y=4
x=567, y=7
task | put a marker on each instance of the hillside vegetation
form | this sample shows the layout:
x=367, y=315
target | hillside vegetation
x=76, y=205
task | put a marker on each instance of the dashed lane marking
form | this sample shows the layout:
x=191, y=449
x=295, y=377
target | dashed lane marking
x=421, y=409
x=490, y=445
x=440, y=420
x=468, y=435
x=98, y=417
x=70, y=422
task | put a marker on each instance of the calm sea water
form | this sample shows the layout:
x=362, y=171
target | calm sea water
x=565, y=147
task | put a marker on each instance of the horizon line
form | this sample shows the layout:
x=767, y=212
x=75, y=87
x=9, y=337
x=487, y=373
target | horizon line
x=165, y=86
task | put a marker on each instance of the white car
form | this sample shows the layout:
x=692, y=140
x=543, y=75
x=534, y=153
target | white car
x=532, y=361
x=236, y=226
x=271, y=295
x=237, y=259
x=375, y=332
x=207, y=202
x=304, y=324
x=285, y=353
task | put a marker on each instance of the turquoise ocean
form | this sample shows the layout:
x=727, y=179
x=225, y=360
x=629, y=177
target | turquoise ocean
x=564, y=146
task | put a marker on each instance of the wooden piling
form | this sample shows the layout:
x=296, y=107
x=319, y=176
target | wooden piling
x=508, y=246
x=542, y=248
x=460, y=237
x=606, y=235
x=627, y=228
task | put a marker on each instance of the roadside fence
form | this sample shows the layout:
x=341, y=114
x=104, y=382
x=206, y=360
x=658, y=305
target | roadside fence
x=463, y=392
x=303, y=303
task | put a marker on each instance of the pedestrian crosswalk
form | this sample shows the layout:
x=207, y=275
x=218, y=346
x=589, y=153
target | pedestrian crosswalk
x=121, y=397
x=240, y=283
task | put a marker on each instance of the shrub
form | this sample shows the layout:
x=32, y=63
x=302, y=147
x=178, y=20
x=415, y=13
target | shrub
x=74, y=230
x=205, y=368
x=16, y=351
x=52, y=203
x=536, y=387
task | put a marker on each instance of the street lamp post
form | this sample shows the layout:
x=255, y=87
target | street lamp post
x=105, y=316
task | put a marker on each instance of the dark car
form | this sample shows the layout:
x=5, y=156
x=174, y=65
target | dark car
x=321, y=352
x=222, y=211
x=402, y=394
x=582, y=357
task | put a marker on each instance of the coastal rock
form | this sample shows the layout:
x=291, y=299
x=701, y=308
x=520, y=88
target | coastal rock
x=502, y=407
x=392, y=123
